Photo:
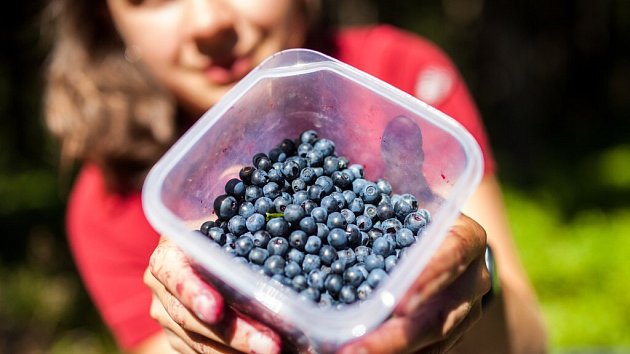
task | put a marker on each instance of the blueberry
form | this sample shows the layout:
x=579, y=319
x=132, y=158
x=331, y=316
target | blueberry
x=278, y=246
x=333, y=284
x=343, y=162
x=358, y=184
x=341, y=179
x=259, y=177
x=341, y=200
x=348, y=294
x=308, y=225
x=415, y=221
x=353, y=276
x=327, y=255
x=322, y=230
x=262, y=161
x=308, y=175
x=364, y=290
x=315, y=279
x=402, y=208
x=300, y=197
x=276, y=176
x=391, y=226
x=274, y=264
x=326, y=183
x=217, y=234
x=365, y=239
x=308, y=136
x=287, y=146
x=364, y=223
x=358, y=170
x=245, y=174
x=329, y=203
x=258, y=255
x=311, y=262
x=370, y=193
x=315, y=192
x=384, y=186
x=348, y=215
x=319, y=214
x=252, y=193
x=291, y=269
x=390, y=262
x=280, y=278
x=206, y=226
x=385, y=211
x=337, y=238
x=382, y=246
x=362, y=252
x=263, y=205
x=308, y=206
x=297, y=239
x=271, y=190
x=310, y=294
x=336, y=220
x=313, y=244
x=244, y=244
x=298, y=185
x=277, y=155
x=293, y=213
x=370, y=211
x=376, y=277
x=299, y=282
x=331, y=164
x=261, y=238
x=235, y=187
x=296, y=256
x=404, y=237
x=229, y=247
x=280, y=203
x=347, y=255
x=319, y=171
x=338, y=266
x=325, y=146
x=246, y=209
x=349, y=196
x=303, y=149
x=237, y=225
x=240, y=259
x=291, y=170
x=353, y=235
x=277, y=227
x=225, y=206
x=357, y=205
x=374, y=261
x=314, y=158
x=411, y=200
x=255, y=222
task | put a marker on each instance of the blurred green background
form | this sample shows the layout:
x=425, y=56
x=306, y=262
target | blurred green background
x=552, y=80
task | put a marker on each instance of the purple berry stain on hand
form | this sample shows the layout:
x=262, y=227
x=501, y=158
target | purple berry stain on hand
x=310, y=220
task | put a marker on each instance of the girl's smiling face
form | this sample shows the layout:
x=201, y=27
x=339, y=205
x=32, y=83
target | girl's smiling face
x=198, y=49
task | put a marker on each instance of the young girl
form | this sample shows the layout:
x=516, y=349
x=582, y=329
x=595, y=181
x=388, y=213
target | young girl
x=127, y=77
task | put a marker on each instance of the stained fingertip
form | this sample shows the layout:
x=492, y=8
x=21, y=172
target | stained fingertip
x=261, y=343
x=207, y=307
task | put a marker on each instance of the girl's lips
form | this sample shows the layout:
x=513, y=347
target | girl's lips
x=232, y=71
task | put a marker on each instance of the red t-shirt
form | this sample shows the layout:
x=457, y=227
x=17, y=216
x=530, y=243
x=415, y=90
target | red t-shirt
x=112, y=241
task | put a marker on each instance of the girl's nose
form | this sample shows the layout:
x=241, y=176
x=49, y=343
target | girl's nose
x=210, y=21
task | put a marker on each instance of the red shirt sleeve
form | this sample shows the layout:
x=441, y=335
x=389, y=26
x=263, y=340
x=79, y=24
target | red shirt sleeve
x=111, y=242
x=417, y=67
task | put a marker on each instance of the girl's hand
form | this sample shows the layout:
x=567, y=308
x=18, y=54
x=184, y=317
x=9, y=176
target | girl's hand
x=444, y=302
x=193, y=314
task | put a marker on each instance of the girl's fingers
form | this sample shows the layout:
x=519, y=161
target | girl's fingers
x=233, y=330
x=169, y=266
x=465, y=242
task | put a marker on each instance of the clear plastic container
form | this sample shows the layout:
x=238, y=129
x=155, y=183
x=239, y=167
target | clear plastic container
x=417, y=148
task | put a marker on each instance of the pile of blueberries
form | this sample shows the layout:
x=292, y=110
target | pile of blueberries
x=307, y=218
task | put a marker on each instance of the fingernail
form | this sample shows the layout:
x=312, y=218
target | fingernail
x=260, y=343
x=205, y=307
